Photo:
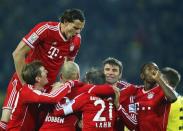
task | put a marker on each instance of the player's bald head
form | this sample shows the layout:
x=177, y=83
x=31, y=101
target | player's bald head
x=70, y=70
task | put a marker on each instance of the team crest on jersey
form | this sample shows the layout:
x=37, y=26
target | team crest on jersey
x=72, y=47
x=150, y=95
x=33, y=38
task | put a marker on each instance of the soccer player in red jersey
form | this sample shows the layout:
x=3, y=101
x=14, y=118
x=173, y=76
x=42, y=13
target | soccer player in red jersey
x=149, y=104
x=128, y=94
x=113, y=70
x=97, y=113
x=50, y=42
x=25, y=110
x=69, y=71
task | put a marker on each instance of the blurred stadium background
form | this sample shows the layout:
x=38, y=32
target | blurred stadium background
x=134, y=32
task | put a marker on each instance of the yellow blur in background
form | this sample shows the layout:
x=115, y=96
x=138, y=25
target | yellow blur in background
x=175, y=119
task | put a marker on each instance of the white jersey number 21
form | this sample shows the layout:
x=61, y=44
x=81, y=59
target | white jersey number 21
x=98, y=116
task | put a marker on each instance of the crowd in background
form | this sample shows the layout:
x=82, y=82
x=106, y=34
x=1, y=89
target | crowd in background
x=132, y=31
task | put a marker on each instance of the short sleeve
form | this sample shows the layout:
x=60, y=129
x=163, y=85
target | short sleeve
x=38, y=33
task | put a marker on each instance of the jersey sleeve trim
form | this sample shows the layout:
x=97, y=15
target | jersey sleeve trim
x=3, y=125
x=34, y=36
x=6, y=107
x=89, y=91
x=55, y=92
x=28, y=43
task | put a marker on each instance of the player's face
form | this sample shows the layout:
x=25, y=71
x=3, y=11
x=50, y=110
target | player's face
x=73, y=28
x=149, y=71
x=112, y=73
x=43, y=78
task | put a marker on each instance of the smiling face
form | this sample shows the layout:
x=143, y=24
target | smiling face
x=112, y=73
x=42, y=78
x=71, y=29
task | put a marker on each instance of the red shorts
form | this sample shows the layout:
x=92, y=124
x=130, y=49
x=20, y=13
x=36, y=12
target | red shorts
x=11, y=93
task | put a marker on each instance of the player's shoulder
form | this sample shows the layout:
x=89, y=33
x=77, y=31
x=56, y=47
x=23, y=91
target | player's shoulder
x=47, y=25
x=30, y=88
x=122, y=84
x=51, y=23
x=129, y=85
x=84, y=96
x=139, y=86
x=78, y=36
x=27, y=87
x=78, y=83
x=157, y=88
x=77, y=39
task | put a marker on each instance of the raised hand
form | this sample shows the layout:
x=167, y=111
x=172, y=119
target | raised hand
x=117, y=96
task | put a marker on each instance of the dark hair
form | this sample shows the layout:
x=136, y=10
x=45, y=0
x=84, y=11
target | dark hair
x=31, y=71
x=95, y=76
x=113, y=61
x=172, y=76
x=70, y=15
x=148, y=64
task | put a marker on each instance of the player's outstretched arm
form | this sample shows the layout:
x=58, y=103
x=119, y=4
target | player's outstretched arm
x=35, y=96
x=19, y=56
x=73, y=106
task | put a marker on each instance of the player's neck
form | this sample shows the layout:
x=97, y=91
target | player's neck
x=148, y=86
x=62, y=30
x=39, y=87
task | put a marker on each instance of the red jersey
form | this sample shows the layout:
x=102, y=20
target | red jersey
x=50, y=122
x=67, y=123
x=3, y=126
x=101, y=90
x=97, y=114
x=122, y=84
x=50, y=47
x=127, y=111
x=107, y=90
x=25, y=111
x=59, y=123
x=152, y=109
x=142, y=111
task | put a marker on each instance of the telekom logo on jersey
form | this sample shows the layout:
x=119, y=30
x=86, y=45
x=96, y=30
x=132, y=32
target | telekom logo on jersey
x=53, y=52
